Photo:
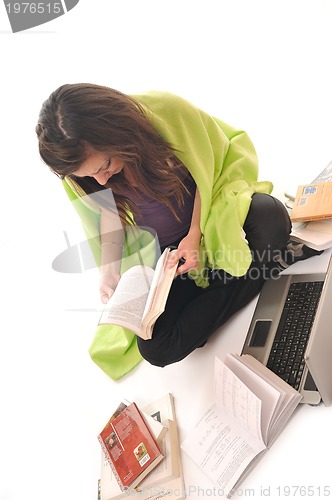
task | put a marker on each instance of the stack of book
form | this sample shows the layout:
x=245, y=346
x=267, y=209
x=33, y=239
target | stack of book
x=311, y=213
x=140, y=453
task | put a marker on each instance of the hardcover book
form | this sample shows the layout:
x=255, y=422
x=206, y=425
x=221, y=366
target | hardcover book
x=312, y=202
x=165, y=480
x=316, y=233
x=129, y=447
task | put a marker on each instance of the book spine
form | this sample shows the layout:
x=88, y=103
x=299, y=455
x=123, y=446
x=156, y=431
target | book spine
x=109, y=460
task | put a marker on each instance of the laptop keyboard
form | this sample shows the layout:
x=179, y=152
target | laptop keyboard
x=287, y=354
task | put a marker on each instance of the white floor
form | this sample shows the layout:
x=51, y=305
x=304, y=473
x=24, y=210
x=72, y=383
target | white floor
x=263, y=66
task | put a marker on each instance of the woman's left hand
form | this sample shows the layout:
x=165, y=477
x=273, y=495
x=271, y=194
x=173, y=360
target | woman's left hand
x=188, y=250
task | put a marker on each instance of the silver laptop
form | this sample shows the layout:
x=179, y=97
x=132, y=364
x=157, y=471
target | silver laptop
x=295, y=340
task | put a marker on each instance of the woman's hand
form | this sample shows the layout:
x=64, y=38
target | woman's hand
x=188, y=250
x=107, y=284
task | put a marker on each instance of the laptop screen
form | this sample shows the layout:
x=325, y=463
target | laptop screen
x=318, y=356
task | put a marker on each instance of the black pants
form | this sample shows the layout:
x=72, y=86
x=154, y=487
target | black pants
x=193, y=313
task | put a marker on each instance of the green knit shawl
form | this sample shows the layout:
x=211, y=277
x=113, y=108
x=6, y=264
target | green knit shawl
x=223, y=163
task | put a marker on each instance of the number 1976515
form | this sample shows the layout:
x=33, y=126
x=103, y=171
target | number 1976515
x=34, y=8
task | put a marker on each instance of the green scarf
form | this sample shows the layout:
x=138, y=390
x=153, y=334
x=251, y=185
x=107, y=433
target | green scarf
x=223, y=163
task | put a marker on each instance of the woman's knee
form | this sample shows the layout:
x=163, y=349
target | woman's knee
x=268, y=223
x=150, y=353
x=166, y=351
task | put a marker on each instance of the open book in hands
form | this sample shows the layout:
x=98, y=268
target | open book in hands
x=140, y=297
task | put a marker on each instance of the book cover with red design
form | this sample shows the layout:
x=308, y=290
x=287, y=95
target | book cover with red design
x=129, y=447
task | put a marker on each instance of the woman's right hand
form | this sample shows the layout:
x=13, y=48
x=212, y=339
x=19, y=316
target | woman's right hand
x=107, y=284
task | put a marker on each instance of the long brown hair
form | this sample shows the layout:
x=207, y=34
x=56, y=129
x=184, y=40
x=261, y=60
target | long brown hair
x=76, y=116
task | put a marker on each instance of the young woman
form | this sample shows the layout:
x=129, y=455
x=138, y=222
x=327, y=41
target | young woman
x=159, y=162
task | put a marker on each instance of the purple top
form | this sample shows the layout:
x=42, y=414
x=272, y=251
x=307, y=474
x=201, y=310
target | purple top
x=159, y=217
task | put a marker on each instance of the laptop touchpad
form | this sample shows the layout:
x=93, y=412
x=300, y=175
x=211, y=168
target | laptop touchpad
x=260, y=333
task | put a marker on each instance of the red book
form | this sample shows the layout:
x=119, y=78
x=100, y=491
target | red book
x=129, y=447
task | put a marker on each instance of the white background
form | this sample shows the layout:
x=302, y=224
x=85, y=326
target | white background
x=264, y=66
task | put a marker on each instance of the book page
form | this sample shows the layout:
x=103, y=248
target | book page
x=325, y=175
x=126, y=306
x=288, y=400
x=316, y=234
x=268, y=395
x=320, y=226
x=221, y=448
x=161, y=283
x=235, y=397
x=161, y=409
